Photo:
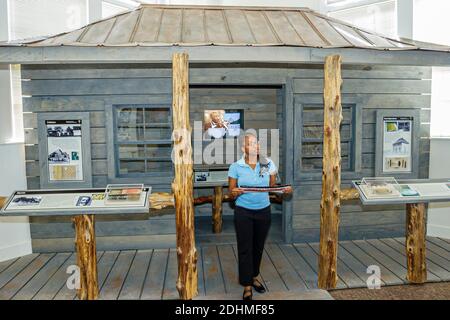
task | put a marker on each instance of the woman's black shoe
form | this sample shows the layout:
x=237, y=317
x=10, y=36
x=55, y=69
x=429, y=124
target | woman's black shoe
x=247, y=297
x=258, y=286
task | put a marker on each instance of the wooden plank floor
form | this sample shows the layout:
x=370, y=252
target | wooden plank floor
x=289, y=271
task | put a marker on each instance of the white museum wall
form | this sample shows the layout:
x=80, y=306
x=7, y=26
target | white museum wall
x=35, y=18
x=317, y=5
x=15, y=238
x=439, y=213
x=431, y=24
x=379, y=17
x=18, y=20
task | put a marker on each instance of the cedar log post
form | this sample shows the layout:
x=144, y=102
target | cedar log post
x=217, y=209
x=331, y=174
x=86, y=256
x=182, y=185
x=415, y=243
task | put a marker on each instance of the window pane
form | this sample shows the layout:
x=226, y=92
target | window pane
x=131, y=166
x=130, y=124
x=316, y=131
x=431, y=24
x=30, y=18
x=158, y=151
x=136, y=125
x=315, y=164
x=312, y=149
x=379, y=17
x=312, y=144
x=312, y=131
x=130, y=117
x=131, y=151
x=159, y=166
x=130, y=134
x=161, y=115
x=157, y=134
x=109, y=9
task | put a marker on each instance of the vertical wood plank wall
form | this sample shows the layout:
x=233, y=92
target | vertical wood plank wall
x=371, y=88
x=91, y=87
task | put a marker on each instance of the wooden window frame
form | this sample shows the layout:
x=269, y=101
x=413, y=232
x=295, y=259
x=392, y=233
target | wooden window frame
x=355, y=149
x=112, y=146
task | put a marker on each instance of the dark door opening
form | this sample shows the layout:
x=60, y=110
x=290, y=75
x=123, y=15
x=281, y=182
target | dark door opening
x=262, y=108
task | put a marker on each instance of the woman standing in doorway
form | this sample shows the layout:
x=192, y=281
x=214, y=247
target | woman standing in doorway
x=252, y=212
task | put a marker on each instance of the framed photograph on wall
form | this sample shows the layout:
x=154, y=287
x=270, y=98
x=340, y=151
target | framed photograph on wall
x=219, y=124
x=397, y=143
x=64, y=150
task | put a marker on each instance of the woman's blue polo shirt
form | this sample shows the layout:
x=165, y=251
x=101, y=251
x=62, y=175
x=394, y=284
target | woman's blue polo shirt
x=246, y=176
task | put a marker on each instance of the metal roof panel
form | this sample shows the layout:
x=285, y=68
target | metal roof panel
x=239, y=27
x=171, y=26
x=216, y=27
x=283, y=28
x=123, y=28
x=193, y=26
x=167, y=25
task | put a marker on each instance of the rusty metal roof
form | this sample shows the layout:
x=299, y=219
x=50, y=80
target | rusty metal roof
x=159, y=25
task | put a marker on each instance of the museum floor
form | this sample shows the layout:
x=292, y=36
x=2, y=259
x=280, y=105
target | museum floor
x=288, y=270
x=428, y=291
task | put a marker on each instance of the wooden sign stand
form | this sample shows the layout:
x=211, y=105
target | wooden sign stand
x=415, y=243
x=85, y=244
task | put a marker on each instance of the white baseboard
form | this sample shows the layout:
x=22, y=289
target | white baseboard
x=440, y=231
x=16, y=250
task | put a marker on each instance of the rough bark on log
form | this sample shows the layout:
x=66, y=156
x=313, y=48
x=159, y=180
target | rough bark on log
x=86, y=256
x=415, y=243
x=182, y=185
x=331, y=175
x=217, y=210
x=161, y=200
x=349, y=194
x=2, y=201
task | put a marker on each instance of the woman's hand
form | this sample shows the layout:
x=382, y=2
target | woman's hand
x=236, y=192
x=287, y=190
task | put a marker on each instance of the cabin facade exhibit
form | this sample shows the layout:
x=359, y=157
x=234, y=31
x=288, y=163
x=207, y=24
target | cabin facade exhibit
x=265, y=66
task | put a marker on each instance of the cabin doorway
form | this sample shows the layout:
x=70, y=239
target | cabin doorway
x=258, y=107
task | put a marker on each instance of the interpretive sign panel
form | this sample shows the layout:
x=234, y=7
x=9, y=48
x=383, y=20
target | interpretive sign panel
x=64, y=150
x=384, y=192
x=73, y=202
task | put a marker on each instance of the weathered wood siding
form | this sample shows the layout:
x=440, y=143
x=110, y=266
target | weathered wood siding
x=92, y=87
x=368, y=89
x=60, y=89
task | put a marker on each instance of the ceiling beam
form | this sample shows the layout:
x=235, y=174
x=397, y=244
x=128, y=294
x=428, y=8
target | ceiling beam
x=211, y=54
